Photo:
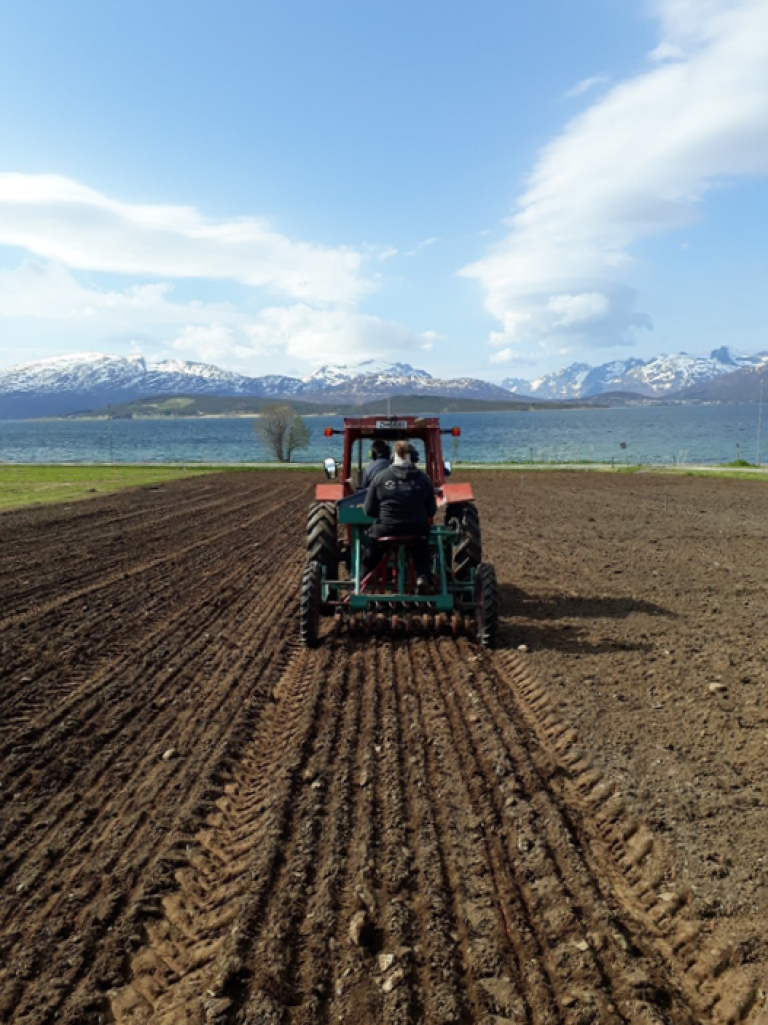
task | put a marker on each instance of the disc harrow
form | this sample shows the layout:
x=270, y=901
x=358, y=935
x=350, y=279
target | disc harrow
x=404, y=622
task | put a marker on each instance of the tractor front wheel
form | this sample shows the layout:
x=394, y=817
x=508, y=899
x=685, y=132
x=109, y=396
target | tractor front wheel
x=311, y=588
x=486, y=605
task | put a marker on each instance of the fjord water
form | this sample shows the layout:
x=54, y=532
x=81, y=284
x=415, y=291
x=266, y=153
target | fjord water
x=658, y=435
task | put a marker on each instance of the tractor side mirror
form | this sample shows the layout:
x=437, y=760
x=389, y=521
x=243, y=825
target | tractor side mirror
x=330, y=468
x=447, y=467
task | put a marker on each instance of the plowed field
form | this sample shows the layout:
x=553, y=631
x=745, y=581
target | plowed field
x=201, y=821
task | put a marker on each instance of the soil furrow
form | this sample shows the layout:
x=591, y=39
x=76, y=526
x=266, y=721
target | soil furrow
x=94, y=529
x=332, y=884
x=169, y=721
x=437, y=902
x=503, y=945
x=221, y=603
x=89, y=586
x=199, y=944
x=627, y=861
x=385, y=829
x=118, y=839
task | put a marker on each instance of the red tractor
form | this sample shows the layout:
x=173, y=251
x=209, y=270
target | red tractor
x=465, y=596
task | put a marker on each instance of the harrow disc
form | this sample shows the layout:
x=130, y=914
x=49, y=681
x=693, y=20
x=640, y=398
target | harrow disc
x=397, y=624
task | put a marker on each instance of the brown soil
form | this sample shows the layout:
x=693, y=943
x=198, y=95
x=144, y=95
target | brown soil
x=201, y=821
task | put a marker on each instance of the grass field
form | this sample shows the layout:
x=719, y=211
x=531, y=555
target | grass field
x=32, y=485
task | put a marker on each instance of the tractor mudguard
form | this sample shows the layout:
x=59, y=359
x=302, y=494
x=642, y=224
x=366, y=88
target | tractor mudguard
x=329, y=492
x=457, y=493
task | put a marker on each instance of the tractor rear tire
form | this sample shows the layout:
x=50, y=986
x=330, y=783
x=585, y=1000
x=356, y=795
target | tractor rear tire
x=322, y=540
x=486, y=605
x=311, y=592
x=467, y=553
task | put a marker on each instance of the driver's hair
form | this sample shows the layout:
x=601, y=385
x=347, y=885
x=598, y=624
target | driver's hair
x=403, y=449
x=380, y=449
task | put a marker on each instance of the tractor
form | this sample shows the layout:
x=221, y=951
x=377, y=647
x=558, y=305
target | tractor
x=464, y=598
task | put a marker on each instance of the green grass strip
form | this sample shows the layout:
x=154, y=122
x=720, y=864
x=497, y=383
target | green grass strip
x=32, y=484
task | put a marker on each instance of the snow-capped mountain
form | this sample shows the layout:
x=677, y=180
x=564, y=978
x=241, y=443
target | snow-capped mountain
x=392, y=373
x=75, y=372
x=376, y=379
x=659, y=377
x=83, y=381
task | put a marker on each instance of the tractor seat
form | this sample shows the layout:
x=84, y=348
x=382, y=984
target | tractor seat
x=401, y=539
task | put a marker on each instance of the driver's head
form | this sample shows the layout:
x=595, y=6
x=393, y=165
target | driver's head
x=402, y=452
x=380, y=449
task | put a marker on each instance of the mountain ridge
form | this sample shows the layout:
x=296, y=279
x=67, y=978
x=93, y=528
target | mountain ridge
x=660, y=376
x=79, y=382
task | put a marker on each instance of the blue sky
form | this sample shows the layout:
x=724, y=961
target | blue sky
x=490, y=189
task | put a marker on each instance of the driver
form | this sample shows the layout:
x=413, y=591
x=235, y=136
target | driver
x=380, y=458
x=402, y=501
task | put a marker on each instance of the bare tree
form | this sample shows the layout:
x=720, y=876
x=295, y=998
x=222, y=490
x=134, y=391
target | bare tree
x=282, y=430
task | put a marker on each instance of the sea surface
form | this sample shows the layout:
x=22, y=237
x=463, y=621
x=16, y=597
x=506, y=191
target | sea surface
x=658, y=435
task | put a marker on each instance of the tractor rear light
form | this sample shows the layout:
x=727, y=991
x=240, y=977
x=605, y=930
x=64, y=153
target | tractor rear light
x=456, y=431
x=328, y=432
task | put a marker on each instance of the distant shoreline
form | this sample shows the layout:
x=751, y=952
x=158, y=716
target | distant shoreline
x=253, y=415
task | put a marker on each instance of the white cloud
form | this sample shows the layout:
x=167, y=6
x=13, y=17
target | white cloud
x=45, y=290
x=586, y=84
x=45, y=301
x=208, y=343
x=568, y=310
x=424, y=244
x=69, y=228
x=634, y=164
x=503, y=356
x=59, y=219
x=320, y=336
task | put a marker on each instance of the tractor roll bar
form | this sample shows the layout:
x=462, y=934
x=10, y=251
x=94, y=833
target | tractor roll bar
x=330, y=431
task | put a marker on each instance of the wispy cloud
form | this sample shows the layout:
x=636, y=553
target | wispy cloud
x=62, y=220
x=424, y=244
x=636, y=163
x=586, y=84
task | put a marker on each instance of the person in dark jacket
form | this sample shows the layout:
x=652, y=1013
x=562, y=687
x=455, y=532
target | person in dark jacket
x=380, y=459
x=402, y=501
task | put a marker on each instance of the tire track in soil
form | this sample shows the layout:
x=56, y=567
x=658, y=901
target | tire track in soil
x=75, y=723
x=629, y=870
x=398, y=786
x=193, y=964
x=98, y=845
x=88, y=856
